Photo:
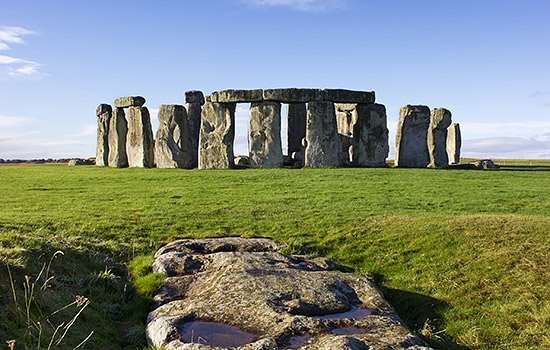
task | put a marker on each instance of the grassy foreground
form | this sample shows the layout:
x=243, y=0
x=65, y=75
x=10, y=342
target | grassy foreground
x=462, y=255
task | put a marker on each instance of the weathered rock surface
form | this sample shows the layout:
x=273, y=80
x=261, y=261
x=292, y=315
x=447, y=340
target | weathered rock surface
x=236, y=96
x=370, y=136
x=129, y=101
x=264, y=135
x=170, y=136
x=454, y=143
x=140, y=142
x=485, y=164
x=296, y=126
x=245, y=294
x=348, y=96
x=80, y=161
x=346, y=118
x=322, y=141
x=440, y=120
x=411, y=138
x=292, y=95
x=192, y=124
x=242, y=162
x=118, y=129
x=103, y=113
x=217, y=134
x=194, y=96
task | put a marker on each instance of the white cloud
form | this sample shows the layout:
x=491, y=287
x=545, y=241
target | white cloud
x=14, y=66
x=7, y=121
x=301, y=5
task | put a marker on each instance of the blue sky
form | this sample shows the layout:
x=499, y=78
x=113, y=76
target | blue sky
x=487, y=61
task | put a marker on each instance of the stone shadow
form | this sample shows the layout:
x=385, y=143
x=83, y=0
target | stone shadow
x=415, y=309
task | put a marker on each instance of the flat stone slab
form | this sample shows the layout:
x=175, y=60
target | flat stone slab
x=236, y=96
x=242, y=293
x=293, y=95
x=129, y=101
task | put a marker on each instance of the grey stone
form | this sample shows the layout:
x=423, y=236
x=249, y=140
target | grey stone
x=140, y=142
x=103, y=108
x=348, y=96
x=296, y=126
x=169, y=137
x=411, y=137
x=250, y=285
x=264, y=135
x=242, y=161
x=485, y=164
x=79, y=161
x=346, y=118
x=103, y=113
x=118, y=129
x=194, y=96
x=217, y=134
x=193, y=125
x=440, y=120
x=454, y=143
x=129, y=101
x=293, y=95
x=236, y=96
x=370, y=136
x=322, y=141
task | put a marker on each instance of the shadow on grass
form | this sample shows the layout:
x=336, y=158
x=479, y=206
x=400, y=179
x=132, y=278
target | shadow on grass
x=534, y=168
x=416, y=309
x=116, y=311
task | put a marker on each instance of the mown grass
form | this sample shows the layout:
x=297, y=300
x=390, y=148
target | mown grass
x=463, y=255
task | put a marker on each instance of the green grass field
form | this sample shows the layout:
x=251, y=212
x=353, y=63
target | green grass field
x=462, y=255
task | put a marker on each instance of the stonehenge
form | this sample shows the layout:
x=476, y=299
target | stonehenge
x=103, y=113
x=139, y=145
x=118, y=128
x=454, y=142
x=411, y=140
x=325, y=128
x=264, y=135
x=440, y=120
x=217, y=134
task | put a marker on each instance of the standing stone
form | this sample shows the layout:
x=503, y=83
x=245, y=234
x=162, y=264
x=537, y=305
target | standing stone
x=454, y=143
x=103, y=113
x=217, y=134
x=440, y=120
x=411, y=138
x=322, y=142
x=370, y=136
x=140, y=143
x=296, y=126
x=170, y=134
x=118, y=128
x=346, y=118
x=264, y=135
x=194, y=101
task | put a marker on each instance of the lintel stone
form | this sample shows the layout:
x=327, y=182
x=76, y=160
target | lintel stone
x=129, y=101
x=236, y=96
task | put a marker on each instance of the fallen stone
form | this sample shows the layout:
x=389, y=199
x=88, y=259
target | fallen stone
x=242, y=294
x=103, y=113
x=236, y=96
x=411, y=137
x=440, y=120
x=194, y=96
x=217, y=134
x=322, y=141
x=348, y=96
x=118, y=128
x=129, y=101
x=264, y=135
x=170, y=135
x=140, y=142
x=454, y=143
x=80, y=161
x=293, y=95
x=242, y=162
x=370, y=136
x=485, y=164
x=296, y=126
